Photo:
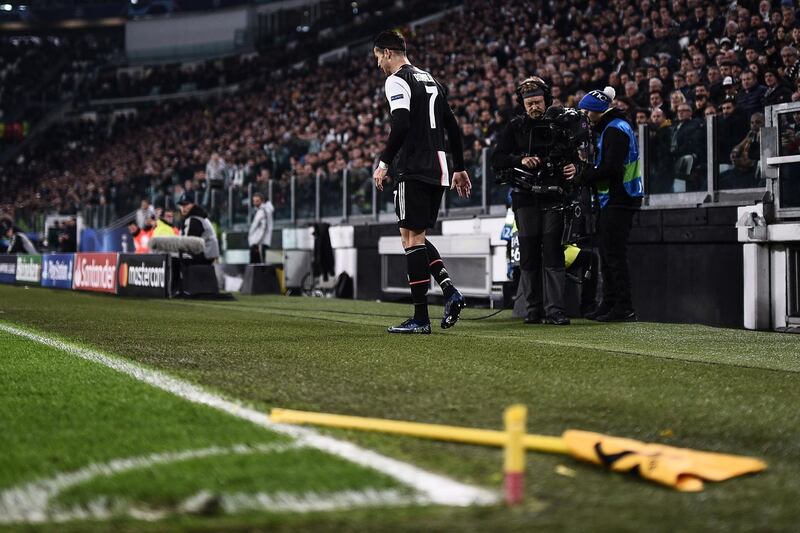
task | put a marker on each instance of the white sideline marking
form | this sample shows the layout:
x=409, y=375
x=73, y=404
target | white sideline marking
x=435, y=488
x=31, y=502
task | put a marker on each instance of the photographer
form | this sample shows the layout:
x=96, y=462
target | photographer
x=538, y=215
x=616, y=177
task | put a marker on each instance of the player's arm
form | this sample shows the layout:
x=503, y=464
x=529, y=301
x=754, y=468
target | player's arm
x=461, y=182
x=401, y=124
x=398, y=93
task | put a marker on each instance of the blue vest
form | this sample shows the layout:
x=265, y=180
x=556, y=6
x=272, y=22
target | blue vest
x=632, y=176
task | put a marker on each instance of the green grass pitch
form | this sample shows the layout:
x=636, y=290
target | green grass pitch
x=691, y=386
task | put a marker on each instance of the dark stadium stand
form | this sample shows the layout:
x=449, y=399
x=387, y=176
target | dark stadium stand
x=319, y=120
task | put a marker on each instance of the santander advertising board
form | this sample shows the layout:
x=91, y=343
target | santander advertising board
x=95, y=272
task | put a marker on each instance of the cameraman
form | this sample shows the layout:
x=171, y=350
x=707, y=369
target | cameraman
x=540, y=221
x=617, y=179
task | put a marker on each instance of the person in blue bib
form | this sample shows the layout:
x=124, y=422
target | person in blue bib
x=617, y=180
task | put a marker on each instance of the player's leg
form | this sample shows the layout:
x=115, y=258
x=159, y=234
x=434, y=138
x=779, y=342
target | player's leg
x=412, y=234
x=418, y=276
x=438, y=270
x=453, y=300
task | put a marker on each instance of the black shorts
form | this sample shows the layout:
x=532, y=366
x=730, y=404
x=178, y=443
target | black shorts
x=417, y=204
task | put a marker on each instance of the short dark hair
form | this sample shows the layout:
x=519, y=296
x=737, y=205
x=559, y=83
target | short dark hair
x=390, y=40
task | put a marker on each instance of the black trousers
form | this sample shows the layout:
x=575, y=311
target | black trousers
x=541, y=258
x=258, y=254
x=613, y=230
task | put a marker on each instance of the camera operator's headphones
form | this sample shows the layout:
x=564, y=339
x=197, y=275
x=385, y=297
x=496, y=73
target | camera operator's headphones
x=534, y=86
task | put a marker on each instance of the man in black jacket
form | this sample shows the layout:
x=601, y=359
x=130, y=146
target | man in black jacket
x=777, y=91
x=540, y=222
x=197, y=224
x=616, y=177
x=686, y=147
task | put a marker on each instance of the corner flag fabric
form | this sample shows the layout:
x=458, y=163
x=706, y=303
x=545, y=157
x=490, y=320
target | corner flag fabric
x=680, y=468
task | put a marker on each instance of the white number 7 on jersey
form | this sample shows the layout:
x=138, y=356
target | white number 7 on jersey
x=431, y=103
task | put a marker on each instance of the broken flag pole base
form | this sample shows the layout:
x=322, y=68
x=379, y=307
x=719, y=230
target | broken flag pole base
x=680, y=468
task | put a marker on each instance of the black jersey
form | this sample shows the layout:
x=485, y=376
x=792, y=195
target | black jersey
x=422, y=156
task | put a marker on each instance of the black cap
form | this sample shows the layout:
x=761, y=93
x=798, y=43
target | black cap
x=187, y=198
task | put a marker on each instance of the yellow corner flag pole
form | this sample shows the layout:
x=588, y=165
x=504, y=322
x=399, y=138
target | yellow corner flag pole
x=486, y=437
x=515, y=418
x=680, y=468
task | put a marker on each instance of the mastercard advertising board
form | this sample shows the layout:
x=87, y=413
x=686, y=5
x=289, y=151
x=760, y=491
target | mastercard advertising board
x=143, y=275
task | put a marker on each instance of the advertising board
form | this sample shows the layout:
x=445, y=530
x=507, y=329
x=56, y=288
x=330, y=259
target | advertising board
x=57, y=270
x=95, y=272
x=8, y=268
x=29, y=268
x=143, y=275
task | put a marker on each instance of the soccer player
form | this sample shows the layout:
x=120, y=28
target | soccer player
x=416, y=145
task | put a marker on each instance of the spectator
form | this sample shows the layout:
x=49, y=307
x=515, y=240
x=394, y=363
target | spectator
x=676, y=98
x=777, y=92
x=679, y=83
x=144, y=213
x=692, y=79
x=686, y=149
x=730, y=126
x=656, y=101
x=791, y=64
x=68, y=238
x=729, y=88
x=750, y=98
x=641, y=118
x=699, y=63
x=715, y=90
x=216, y=174
x=216, y=168
x=659, y=160
x=700, y=101
x=745, y=158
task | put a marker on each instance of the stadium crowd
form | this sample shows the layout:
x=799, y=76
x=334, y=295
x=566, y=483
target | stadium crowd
x=36, y=71
x=672, y=63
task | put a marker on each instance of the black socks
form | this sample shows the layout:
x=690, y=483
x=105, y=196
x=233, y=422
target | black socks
x=418, y=280
x=437, y=270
